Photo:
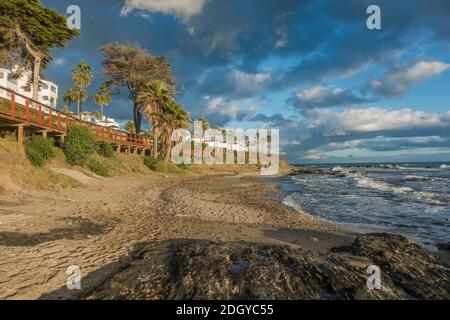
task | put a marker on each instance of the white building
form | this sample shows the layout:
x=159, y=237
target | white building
x=105, y=122
x=228, y=146
x=47, y=94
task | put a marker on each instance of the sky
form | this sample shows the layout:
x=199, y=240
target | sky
x=337, y=91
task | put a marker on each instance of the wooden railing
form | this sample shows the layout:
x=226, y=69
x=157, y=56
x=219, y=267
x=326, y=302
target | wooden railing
x=37, y=115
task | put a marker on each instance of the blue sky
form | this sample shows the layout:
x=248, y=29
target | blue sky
x=337, y=91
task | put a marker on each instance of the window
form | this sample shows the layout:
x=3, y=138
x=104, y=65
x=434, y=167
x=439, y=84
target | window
x=2, y=75
x=54, y=89
x=45, y=86
x=12, y=80
x=45, y=98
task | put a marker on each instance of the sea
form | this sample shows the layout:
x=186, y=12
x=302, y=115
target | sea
x=412, y=199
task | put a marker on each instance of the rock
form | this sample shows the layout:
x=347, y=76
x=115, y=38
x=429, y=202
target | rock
x=195, y=269
x=418, y=272
x=443, y=246
x=305, y=170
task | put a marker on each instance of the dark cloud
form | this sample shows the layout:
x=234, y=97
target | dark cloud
x=276, y=120
x=325, y=97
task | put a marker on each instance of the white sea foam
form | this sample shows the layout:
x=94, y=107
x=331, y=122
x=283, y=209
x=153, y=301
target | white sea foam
x=428, y=198
x=369, y=183
x=424, y=178
x=290, y=202
x=444, y=166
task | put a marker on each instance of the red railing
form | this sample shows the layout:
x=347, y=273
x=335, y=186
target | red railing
x=34, y=113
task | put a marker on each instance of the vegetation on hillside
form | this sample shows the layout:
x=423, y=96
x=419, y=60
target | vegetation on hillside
x=162, y=166
x=39, y=150
x=79, y=145
x=105, y=150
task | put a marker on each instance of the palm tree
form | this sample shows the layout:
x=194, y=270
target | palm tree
x=103, y=98
x=205, y=123
x=130, y=127
x=70, y=96
x=82, y=76
x=153, y=98
x=172, y=117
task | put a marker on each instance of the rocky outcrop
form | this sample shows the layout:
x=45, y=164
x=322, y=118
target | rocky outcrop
x=190, y=269
x=305, y=170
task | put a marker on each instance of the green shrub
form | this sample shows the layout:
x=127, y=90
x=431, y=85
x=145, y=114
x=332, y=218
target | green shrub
x=39, y=149
x=98, y=168
x=105, y=150
x=79, y=145
x=162, y=166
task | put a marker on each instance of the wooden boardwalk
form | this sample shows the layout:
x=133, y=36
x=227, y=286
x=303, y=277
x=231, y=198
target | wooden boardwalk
x=30, y=117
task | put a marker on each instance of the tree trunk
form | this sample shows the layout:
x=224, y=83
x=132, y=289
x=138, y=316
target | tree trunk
x=37, y=56
x=137, y=118
x=155, y=139
x=36, y=71
x=79, y=109
x=155, y=144
x=169, y=147
x=101, y=113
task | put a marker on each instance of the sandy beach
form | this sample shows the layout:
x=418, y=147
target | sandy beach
x=93, y=226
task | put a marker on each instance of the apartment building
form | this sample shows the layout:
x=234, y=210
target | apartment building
x=47, y=94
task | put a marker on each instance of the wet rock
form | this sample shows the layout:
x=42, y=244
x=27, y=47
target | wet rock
x=443, y=246
x=193, y=269
x=418, y=272
x=305, y=170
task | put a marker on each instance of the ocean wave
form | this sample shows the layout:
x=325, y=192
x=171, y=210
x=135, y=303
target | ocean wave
x=429, y=198
x=424, y=178
x=290, y=202
x=418, y=168
x=444, y=166
x=369, y=183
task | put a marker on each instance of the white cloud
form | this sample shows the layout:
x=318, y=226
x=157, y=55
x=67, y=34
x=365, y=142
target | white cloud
x=231, y=108
x=283, y=38
x=314, y=154
x=398, y=81
x=60, y=61
x=183, y=9
x=251, y=82
x=373, y=120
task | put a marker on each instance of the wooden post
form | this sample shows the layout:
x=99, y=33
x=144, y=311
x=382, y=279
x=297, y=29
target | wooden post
x=44, y=134
x=50, y=119
x=20, y=133
x=59, y=121
x=27, y=110
x=13, y=105
x=40, y=115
